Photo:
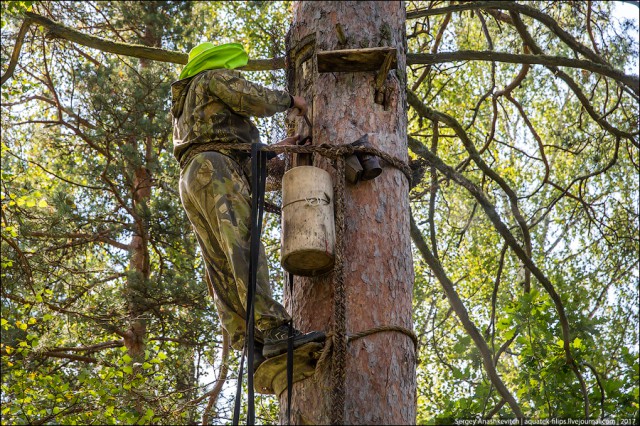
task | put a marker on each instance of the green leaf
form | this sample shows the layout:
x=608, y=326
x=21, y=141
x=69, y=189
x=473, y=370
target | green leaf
x=509, y=333
x=503, y=324
x=127, y=369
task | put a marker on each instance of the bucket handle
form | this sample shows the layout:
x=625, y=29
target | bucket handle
x=313, y=201
x=317, y=201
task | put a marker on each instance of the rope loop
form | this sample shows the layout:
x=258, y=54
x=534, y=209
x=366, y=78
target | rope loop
x=331, y=337
x=326, y=150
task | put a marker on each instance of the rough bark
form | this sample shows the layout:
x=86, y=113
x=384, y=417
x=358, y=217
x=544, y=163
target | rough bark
x=380, y=382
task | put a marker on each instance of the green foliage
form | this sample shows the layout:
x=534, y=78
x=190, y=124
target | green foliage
x=15, y=8
x=583, y=243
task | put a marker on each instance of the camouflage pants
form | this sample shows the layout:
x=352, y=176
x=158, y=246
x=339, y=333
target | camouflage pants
x=216, y=197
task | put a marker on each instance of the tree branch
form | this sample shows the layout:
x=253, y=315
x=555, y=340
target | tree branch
x=602, y=393
x=631, y=81
x=56, y=30
x=528, y=39
x=495, y=409
x=15, y=55
x=222, y=378
x=23, y=260
x=65, y=411
x=434, y=49
x=91, y=348
x=534, y=13
x=109, y=327
x=80, y=358
x=77, y=235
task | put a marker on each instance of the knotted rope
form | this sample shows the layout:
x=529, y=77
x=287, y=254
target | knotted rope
x=337, y=340
x=332, y=337
x=330, y=151
x=339, y=360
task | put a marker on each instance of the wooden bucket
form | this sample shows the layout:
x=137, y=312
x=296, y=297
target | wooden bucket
x=308, y=228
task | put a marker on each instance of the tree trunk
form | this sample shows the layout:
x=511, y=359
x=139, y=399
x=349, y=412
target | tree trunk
x=380, y=382
x=140, y=264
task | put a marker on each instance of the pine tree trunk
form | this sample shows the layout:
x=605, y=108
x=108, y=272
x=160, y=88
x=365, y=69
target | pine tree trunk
x=139, y=264
x=380, y=382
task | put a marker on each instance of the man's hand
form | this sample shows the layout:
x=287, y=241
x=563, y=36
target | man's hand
x=300, y=104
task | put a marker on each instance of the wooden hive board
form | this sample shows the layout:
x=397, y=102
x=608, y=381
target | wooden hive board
x=354, y=60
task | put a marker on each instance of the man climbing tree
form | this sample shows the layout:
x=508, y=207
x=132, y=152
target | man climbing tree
x=212, y=104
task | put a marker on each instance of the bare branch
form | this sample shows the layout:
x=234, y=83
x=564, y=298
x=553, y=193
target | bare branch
x=16, y=51
x=631, y=81
x=475, y=156
x=80, y=358
x=56, y=30
x=528, y=39
x=91, y=348
x=23, y=260
x=222, y=378
x=434, y=49
x=519, y=8
x=101, y=237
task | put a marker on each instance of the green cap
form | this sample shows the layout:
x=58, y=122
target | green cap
x=207, y=56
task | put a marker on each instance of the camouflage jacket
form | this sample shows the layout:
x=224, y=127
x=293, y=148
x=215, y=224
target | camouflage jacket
x=215, y=106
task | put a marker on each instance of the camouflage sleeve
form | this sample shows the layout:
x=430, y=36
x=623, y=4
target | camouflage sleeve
x=247, y=98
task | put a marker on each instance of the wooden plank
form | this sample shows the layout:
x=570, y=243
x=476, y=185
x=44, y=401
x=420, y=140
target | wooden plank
x=354, y=60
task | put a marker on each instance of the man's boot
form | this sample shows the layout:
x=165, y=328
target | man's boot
x=275, y=340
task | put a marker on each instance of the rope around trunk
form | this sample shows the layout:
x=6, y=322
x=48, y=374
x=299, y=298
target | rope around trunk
x=336, y=342
x=331, y=151
x=332, y=338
